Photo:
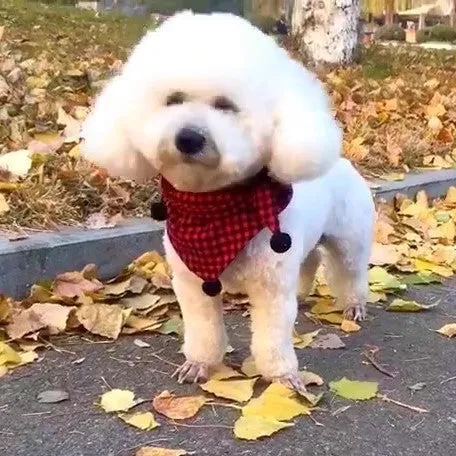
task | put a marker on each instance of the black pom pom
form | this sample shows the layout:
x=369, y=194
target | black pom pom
x=158, y=211
x=212, y=287
x=280, y=242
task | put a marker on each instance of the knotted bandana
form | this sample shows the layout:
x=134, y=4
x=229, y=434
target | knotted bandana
x=208, y=230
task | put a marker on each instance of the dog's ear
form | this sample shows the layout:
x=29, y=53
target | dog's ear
x=307, y=139
x=106, y=139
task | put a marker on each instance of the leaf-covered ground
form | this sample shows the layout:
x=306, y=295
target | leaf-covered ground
x=397, y=106
x=414, y=245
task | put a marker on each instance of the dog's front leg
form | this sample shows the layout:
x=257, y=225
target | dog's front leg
x=205, y=339
x=273, y=313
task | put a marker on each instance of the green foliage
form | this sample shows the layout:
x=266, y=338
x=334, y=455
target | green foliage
x=390, y=32
x=438, y=32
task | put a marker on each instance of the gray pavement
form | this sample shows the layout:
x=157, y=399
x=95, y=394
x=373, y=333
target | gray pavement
x=372, y=428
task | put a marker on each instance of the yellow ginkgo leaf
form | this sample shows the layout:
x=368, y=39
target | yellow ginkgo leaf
x=354, y=389
x=349, y=326
x=141, y=420
x=8, y=356
x=249, y=368
x=236, y=390
x=254, y=427
x=334, y=318
x=223, y=372
x=324, y=306
x=117, y=400
x=448, y=330
x=423, y=265
x=277, y=403
x=304, y=340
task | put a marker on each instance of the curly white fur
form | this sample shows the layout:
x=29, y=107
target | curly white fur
x=282, y=120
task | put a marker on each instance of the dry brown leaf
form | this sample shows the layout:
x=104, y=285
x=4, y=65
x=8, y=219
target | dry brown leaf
x=72, y=284
x=103, y=319
x=178, y=408
x=52, y=317
x=328, y=341
x=383, y=254
x=349, y=326
x=448, y=330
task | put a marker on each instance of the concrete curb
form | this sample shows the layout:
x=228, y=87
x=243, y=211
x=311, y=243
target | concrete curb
x=435, y=183
x=44, y=255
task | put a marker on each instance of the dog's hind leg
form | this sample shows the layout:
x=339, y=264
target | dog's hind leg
x=347, y=261
x=307, y=273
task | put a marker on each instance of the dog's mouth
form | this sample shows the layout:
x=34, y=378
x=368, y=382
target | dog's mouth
x=192, y=146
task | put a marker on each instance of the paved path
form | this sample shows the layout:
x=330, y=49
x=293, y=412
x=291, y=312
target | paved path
x=373, y=428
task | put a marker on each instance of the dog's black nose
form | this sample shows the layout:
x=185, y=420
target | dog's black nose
x=189, y=141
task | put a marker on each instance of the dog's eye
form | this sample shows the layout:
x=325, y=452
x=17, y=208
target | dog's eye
x=175, y=98
x=224, y=104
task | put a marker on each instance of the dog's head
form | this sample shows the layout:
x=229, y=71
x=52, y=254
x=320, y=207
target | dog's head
x=208, y=100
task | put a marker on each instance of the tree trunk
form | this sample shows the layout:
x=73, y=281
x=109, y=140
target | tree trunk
x=389, y=11
x=329, y=29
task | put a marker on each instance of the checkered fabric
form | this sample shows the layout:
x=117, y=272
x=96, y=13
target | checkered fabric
x=208, y=230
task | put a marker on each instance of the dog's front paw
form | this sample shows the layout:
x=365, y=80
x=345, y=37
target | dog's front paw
x=291, y=381
x=191, y=372
x=356, y=312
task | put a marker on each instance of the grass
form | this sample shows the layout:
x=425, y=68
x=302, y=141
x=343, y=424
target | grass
x=64, y=56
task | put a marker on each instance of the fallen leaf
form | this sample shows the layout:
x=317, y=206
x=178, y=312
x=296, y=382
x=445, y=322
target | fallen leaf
x=349, y=326
x=324, y=306
x=328, y=341
x=312, y=399
x=8, y=356
x=309, y=378
x=173, y=325
x=236, y=390
x=448, y=330
x=141, y=420
x=117, y=400
x=27, y=357
x=381, y=280
x=223, y=372
x=254, y=427
x=424, y=265
x=156, y=451
x=400, y=305
x=249, y=368
x=276, y=404
x=354, y=389
x=52, y=317
x=72, y=284
x=304, y=340
x=417, y=387
x=178, y=408
x=141, y=344
x=52, y=396
x=383, y=254
x=334, y=318
x=103, y=319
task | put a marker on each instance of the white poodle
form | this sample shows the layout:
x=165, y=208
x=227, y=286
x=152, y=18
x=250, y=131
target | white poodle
x=209, y=102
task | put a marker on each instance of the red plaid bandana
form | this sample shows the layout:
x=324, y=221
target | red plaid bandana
x=209, y=230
